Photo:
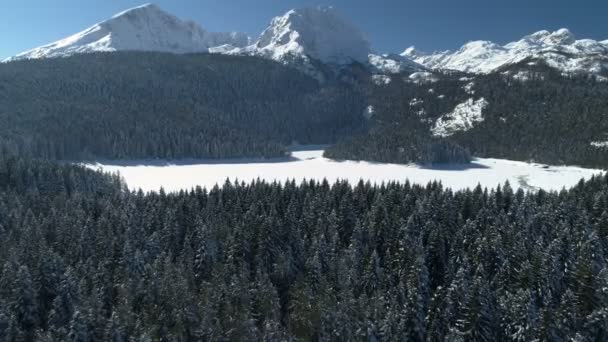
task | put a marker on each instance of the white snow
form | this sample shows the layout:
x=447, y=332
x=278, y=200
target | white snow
x=423, y=77
x=600, y=144
x=432, y=61
x=463, y=118
x=143, y=28
x=468, y=88
x=151, y=176
x=369, y=112
x=381, y=79
x=558, y=49
x=421, y=112
x=523, y=75
x=393, y=64
x=319, y=33
x=416, y=102
x=600, y=78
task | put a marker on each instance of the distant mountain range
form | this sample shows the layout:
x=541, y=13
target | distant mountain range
x=557, y=49
x=302, y=37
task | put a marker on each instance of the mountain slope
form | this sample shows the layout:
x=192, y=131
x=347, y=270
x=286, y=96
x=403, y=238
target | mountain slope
x=143, y=28
x=548, y=118
x=558, y=49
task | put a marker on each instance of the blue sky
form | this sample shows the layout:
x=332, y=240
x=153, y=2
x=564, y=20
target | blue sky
x=391, y=25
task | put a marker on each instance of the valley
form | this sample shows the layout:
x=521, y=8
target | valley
x=164, y=182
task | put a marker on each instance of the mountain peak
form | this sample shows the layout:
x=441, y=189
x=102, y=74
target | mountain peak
x=142, y=28
x=315, y=32
x=139, y=10
x=561, y=36
x=411, y=52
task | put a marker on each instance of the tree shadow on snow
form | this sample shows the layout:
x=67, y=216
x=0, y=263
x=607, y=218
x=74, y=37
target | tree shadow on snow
x=453, y=167
x=188, y=162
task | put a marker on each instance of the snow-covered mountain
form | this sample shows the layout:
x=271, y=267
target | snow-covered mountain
x=558, y=49
x=322, y=34
x=393, y=64
x=143, y=28
x=300, y=37
x=319, y=33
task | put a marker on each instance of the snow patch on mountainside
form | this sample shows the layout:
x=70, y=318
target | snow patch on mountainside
x=381, y=80
x=599, y=144
x=143, y=28
x=369, y=112
x=469, y=88
x=600, y=78
x=319, y=33
x=558, y=49
x=416, y=102
x=423, y=77
x=463, y=118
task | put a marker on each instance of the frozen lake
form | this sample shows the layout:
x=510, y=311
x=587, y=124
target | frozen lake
x=175, y=176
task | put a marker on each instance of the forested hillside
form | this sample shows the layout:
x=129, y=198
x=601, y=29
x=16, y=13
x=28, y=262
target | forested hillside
x=530, y=113
x=154, y=105
x=83, y=260
x=135, y=105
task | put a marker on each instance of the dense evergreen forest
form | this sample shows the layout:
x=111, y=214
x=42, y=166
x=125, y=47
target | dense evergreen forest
x=540, y=116
x=133, y=105
x=83, y=259
x=137, y=105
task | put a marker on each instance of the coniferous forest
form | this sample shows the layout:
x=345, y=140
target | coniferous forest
x=543, y=117
x=135, y=105
x=83, y=259
x=142, y=105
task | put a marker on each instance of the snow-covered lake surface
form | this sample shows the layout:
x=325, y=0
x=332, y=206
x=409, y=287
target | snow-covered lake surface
x=184, y=175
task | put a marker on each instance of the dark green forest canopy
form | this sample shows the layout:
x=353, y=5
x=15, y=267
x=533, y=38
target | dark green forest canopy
x=548, y=118
x=152, y=105
x=82, y=259
x=138, y=105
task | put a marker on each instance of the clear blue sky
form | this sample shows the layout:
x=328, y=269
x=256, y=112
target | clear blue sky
x=391, y=25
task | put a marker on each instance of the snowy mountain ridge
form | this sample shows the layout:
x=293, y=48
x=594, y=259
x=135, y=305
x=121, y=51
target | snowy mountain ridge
x=321, y=34
x=143, y=28
x=295, y=38
x=559, y=49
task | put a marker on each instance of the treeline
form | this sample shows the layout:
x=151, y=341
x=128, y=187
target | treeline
x=401, y=144
x=150, y=105
x=539, y=115
x=83, y=260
